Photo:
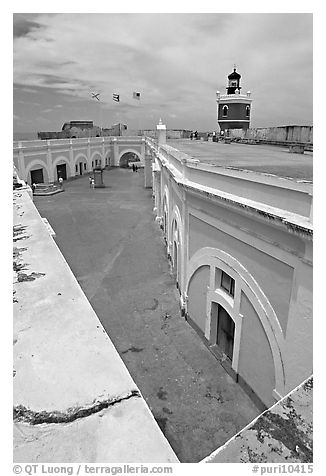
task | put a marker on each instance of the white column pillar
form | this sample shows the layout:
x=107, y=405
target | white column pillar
x=89, y=161
x=115, y=152
x=49, y=161
x=71, y=157
x=161, y=131
x=21, y=163
x=148, y=171
x=143, y=148
x=103, y=153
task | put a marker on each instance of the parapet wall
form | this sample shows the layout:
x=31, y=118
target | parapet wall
x=282, y=434
x=170, y=133
x=302, y=134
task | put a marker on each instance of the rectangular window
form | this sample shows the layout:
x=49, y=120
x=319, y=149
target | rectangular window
x=227, y=283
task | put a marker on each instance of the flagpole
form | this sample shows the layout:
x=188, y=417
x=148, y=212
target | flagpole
x=96, y=96
x=100, y=110
x=136, y=95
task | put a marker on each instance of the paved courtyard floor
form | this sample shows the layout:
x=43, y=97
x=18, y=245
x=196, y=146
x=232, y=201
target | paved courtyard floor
x=260, y=158
x=116, y=251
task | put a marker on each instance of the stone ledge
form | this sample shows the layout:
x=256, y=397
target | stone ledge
x=74, y=398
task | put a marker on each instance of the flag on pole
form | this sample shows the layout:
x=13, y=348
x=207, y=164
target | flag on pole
x=116, y=97
x=136, y=95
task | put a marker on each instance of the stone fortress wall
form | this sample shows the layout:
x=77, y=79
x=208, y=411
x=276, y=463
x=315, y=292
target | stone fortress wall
x=240, y=248
x=302, y=134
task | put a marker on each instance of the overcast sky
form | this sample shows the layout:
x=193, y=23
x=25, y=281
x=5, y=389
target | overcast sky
x=176, y=61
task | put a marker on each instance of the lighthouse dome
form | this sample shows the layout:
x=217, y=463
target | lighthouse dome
x=234, y=75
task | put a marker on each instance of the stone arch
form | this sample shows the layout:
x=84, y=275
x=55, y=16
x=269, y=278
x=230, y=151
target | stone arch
x=93, y=158
x=176, y=235
x=216, y=258
x=133, y=151
x=63, y=159
x=42, y=165
x=165, y=214
x=80, y=157
x=108, y=158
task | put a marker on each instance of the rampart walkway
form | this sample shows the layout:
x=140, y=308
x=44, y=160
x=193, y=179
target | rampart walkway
x=116, y=251
x=266, y=159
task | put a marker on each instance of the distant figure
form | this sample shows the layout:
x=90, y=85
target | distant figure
x=196, y=135
x=136, y=168
x=33, y=188
x=191, y=135
x=93, y=183
x=90, y=182
x=133, y=167
x=60, y=182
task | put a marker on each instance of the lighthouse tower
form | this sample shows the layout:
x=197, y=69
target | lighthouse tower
x=233, y=108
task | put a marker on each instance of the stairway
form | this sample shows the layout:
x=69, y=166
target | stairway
x=42, y=189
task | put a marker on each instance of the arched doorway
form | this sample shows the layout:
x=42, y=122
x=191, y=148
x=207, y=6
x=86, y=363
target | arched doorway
x=37, y=176
x=127, y=159
x=165, y=217
x=175, y=253
x=221, y=290
x=36, y=172
x=61, y=171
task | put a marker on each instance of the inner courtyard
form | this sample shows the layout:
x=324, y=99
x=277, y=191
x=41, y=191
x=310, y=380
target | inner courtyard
x=116, y=251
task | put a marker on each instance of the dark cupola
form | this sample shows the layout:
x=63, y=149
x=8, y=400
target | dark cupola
x=234, y=82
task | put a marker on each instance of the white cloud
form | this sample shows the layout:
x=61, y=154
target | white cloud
x=176, y=61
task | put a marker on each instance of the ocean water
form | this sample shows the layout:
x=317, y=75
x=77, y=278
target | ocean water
x=24, y=136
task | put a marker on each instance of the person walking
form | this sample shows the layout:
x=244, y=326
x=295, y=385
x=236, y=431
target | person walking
x=61, y=182
x=93, y=183
x=90, y=182
x=33, y=188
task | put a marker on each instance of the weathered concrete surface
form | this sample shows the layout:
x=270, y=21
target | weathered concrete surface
x=74, y=399
x=123, y=434
x=116, y=251
x=282, y=434
x=259, y=158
